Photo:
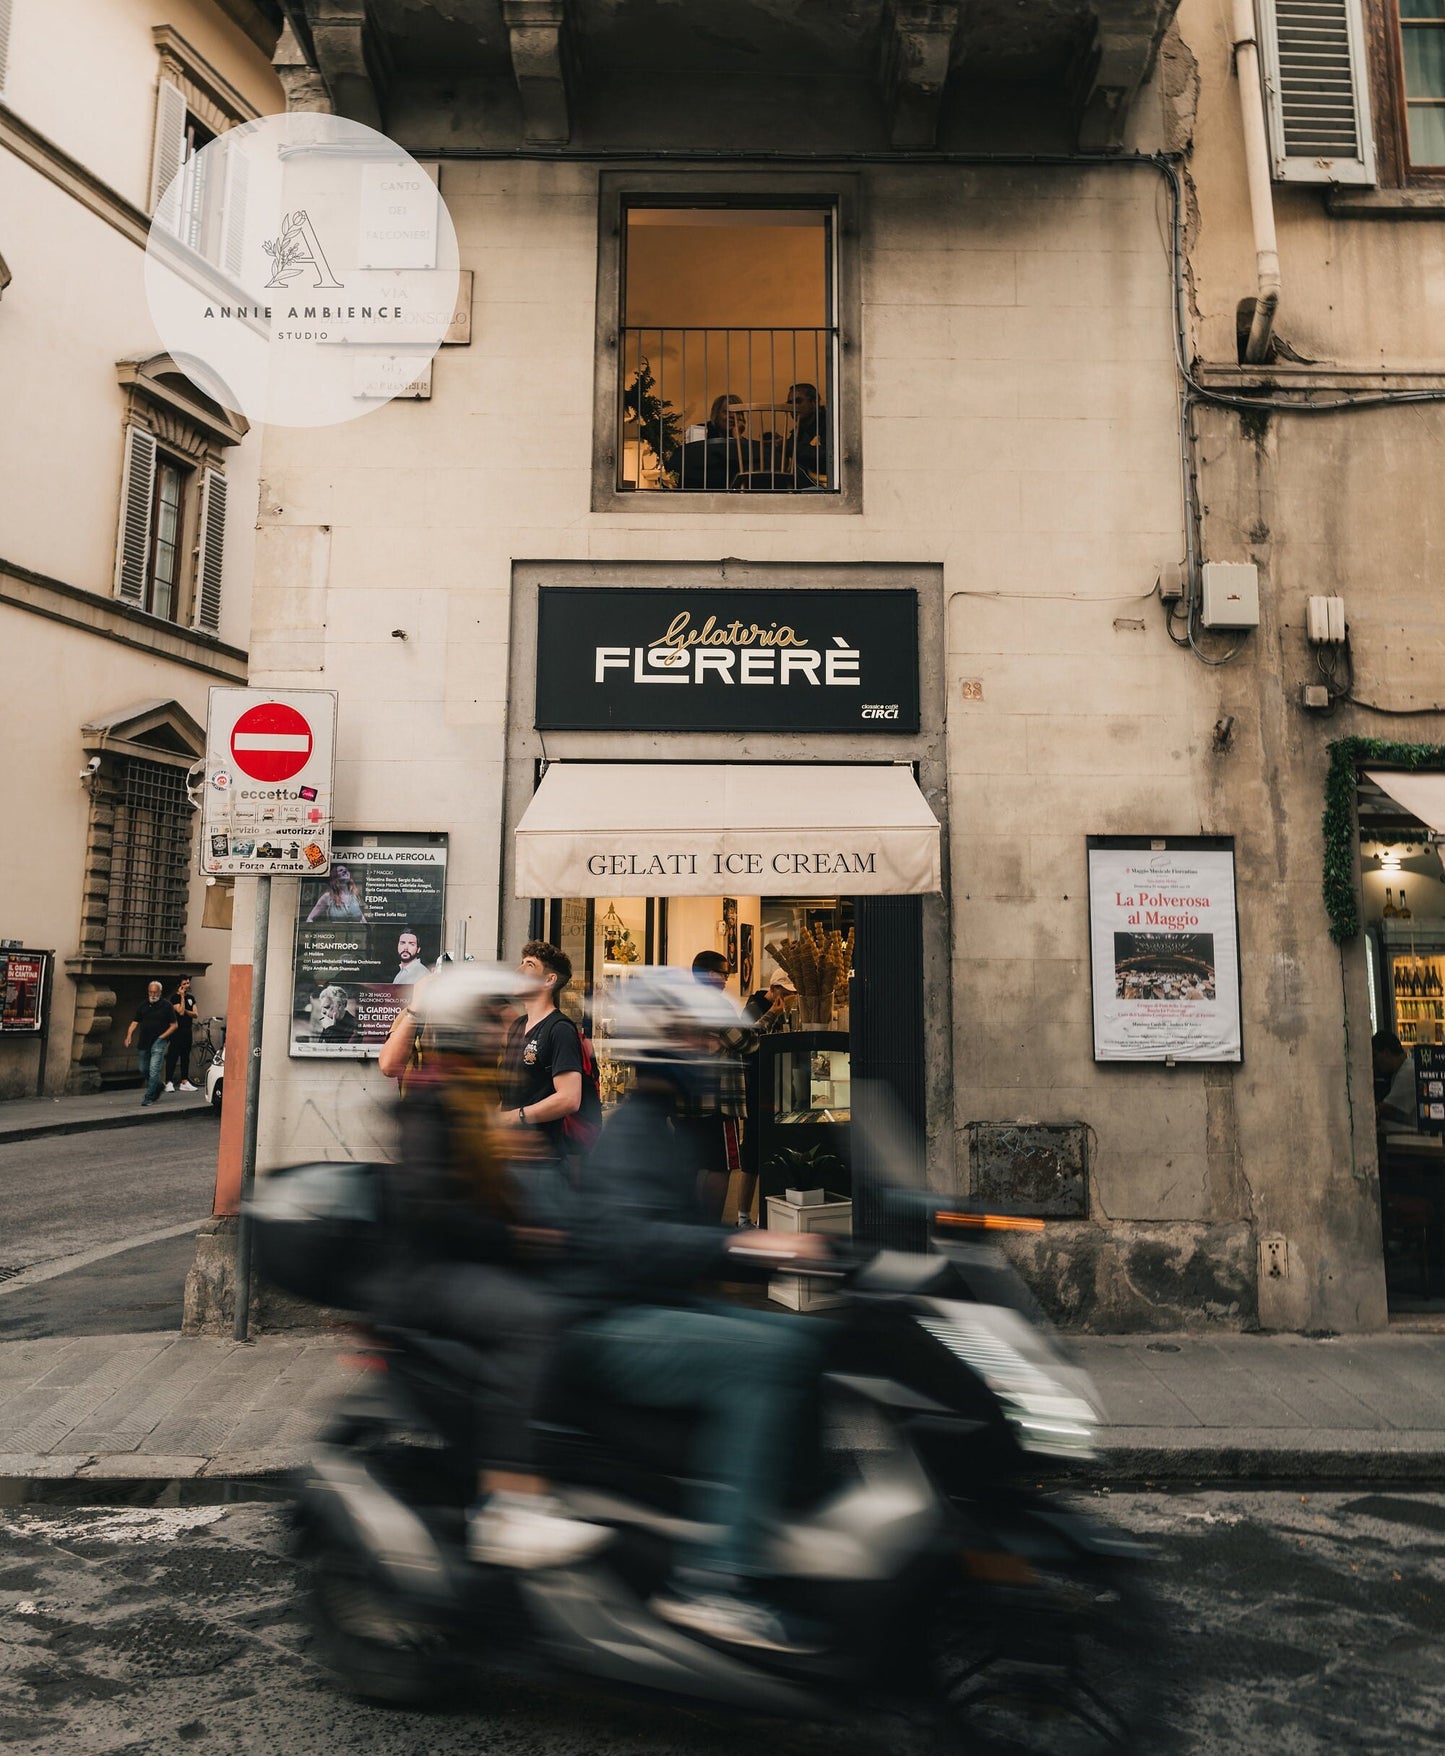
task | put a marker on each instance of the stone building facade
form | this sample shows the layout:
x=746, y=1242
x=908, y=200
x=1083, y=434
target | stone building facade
x=112, y=636
x=1082, y=349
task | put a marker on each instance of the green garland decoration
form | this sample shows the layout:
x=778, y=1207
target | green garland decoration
x=1347, y=756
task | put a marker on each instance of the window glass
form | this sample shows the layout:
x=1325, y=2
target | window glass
x=1422, y=37
x=149, y=870
x=728, y=351
x=165, y=570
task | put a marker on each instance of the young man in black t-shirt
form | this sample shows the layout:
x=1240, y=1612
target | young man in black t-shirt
x=543, y=1064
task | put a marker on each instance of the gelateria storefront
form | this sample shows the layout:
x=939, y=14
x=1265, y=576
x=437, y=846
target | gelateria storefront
x=767, y=866
x=747, y=759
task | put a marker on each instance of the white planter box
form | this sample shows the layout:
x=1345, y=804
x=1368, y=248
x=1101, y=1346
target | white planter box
x=834, y=1218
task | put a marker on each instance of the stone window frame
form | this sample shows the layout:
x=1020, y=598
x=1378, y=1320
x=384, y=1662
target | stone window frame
x=196, y=432
x=841, y=191
x=210, y=96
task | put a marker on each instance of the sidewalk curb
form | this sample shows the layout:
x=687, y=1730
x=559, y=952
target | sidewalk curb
x=46, y=1478
x=1227, y=1462
x=96, y=1124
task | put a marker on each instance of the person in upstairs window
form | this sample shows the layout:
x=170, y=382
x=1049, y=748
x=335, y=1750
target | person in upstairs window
x=805, y=455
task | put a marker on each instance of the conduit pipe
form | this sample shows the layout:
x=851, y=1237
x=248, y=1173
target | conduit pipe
x=1261, y=192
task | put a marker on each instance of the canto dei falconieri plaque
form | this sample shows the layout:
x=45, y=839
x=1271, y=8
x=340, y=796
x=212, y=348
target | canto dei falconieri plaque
x=708, y=659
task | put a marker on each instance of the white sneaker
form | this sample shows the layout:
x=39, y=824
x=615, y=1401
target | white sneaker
x=529, y=1530
x=185, y=1085
x=168, y=1086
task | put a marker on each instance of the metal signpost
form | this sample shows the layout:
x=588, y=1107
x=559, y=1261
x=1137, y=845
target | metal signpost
x=267, y=808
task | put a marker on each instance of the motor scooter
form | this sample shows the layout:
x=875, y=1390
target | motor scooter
x=923, y=1529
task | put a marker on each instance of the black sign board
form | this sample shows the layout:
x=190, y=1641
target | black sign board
x=720, y=659
x=1430, y=1087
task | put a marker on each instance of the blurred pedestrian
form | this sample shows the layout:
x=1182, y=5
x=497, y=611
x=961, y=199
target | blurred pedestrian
x=714, y=1109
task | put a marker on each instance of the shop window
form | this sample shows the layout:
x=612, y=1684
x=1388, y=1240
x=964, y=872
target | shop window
x=725, y=360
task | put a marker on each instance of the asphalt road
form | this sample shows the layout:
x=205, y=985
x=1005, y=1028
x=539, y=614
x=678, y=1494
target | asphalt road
x=1310, y=1623
x=91, y=1204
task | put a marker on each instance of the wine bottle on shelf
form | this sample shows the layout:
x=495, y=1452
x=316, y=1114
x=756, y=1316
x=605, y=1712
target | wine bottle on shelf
x=1389, y=912
x=1403, y=912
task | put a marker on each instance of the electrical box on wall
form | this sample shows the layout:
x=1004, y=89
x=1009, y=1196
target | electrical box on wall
x=1229, y=594
x=1325, y=621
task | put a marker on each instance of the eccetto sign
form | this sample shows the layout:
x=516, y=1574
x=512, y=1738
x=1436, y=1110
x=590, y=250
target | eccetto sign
x=726, y=659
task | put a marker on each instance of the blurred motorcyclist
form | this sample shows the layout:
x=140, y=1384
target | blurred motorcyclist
x=642, y=1247
x=471, y=1260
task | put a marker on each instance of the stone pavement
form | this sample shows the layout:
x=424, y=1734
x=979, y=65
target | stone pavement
x=31, y=1118
x=1184, y=1407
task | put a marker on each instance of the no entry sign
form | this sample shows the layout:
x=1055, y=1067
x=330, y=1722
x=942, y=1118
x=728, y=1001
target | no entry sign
x=272, y=742
x=267, y=786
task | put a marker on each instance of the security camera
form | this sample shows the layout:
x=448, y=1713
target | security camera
x=91, y=769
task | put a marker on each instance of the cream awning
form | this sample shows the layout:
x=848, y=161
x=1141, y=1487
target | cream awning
x=674, y=829
x=1421, y=793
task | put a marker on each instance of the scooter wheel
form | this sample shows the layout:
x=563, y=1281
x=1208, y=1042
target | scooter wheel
x=373, y=1646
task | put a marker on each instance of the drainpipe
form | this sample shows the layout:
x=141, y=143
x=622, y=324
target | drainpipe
x=1261, y=194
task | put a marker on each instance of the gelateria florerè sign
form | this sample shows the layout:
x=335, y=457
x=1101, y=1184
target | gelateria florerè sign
x=726, y=660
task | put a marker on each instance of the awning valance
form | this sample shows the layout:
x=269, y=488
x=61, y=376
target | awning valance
x=1421, y=792
x=678, y=829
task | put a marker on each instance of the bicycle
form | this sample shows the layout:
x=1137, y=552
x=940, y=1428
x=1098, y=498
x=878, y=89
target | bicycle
x=206, y=1047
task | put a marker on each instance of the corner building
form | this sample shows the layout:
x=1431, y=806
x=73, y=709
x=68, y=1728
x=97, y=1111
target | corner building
x=985, y=354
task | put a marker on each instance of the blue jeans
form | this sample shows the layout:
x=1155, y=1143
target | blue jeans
x=751, y=1374
x=152, y=1063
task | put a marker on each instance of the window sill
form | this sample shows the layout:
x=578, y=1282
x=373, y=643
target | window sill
x=1343, y=203
x=689, y=501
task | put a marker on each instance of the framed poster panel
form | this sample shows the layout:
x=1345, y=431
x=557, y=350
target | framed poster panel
x=366, y=930
x=1164, y=949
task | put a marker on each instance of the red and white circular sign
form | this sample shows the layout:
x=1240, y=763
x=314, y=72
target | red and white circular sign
x=271, y=742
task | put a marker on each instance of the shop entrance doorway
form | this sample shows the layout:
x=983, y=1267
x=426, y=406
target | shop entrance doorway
x=638, y=858
x=789, y=963
x=1402, y=860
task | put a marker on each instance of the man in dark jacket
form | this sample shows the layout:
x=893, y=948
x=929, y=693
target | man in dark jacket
x=641, y=1249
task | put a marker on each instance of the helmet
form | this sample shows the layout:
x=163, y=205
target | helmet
x=661, y=1013
x=462, y=999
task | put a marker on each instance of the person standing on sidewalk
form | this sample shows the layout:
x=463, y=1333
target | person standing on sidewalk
x=178, y=1049
x=542, y=1063
x=154, y=1024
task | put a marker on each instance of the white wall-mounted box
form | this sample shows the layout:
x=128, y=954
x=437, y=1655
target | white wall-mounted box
x=1229, y=594
x=1325, y=621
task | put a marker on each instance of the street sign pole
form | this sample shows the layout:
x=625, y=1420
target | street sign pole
x=253, y=1100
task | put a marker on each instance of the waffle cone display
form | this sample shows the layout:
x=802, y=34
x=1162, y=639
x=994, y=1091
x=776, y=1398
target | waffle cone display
x=819, y=963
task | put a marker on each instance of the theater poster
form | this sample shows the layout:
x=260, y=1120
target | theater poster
x=367, y=930
x=1164, y=942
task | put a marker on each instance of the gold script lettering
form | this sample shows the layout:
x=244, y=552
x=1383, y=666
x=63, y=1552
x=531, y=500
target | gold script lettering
x=681, y=635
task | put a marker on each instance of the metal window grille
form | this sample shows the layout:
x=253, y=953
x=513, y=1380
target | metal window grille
x=674, y=380
x=149, y=862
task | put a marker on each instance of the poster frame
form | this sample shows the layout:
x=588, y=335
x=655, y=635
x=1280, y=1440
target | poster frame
x=1165, y=844
x=23, y=1032
x=349, y=842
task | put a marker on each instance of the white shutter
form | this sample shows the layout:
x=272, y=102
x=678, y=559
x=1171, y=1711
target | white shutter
x=167, y=155
x=1316, y=90
x=4, y=40
x=233, y=220
x=210, y=551
x=137, y=495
